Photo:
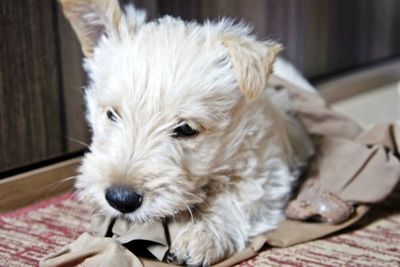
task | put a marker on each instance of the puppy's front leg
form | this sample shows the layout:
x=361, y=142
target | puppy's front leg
x=212, y=235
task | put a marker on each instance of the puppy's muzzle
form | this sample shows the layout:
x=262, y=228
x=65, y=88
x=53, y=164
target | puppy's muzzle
x=123, y=198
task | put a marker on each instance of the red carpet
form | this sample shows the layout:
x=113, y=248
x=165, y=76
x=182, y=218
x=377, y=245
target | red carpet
x=29, y=234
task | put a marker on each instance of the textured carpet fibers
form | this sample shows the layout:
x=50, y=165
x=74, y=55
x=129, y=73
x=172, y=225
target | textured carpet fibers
x=29, y=234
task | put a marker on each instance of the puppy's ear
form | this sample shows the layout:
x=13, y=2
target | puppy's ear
x=252, y=61
x=90, y=19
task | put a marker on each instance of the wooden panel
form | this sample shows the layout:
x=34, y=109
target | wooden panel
x=343, y=34
x=320, y=36
x=359, y=81
x=27, y=188
x=30, y=116
x=40, y=59
x=73, y=81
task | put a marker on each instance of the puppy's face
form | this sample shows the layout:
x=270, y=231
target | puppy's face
x=164, y=103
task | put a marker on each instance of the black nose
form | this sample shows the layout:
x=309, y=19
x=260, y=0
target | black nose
x=123, y=198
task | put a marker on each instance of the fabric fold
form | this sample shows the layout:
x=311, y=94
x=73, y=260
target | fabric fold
x=90, y=250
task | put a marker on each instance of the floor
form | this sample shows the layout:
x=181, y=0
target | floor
x=28, y=235
x=376, y=106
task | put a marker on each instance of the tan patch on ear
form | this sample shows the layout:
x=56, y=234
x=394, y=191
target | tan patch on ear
x=273, y=51
x=90, y=19
x=252, y=61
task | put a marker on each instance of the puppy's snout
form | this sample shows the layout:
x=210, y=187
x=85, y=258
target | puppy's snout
x=123, y=198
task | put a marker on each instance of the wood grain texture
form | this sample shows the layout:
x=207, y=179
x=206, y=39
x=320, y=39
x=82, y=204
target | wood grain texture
x=340, y=35
x=40, y=59
x=30, y=115
x=27, y=188
x=73, y=81
x=320, y=36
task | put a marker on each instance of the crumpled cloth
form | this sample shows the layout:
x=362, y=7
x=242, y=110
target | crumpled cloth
x=351, y=170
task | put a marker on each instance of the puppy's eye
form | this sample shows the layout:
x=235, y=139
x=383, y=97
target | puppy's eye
x=184, y=130
x=111, y=115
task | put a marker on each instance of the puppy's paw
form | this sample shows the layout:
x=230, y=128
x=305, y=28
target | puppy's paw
x=198, y=246
x=173, y=259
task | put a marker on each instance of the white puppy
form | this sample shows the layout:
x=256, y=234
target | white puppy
x=182, y=125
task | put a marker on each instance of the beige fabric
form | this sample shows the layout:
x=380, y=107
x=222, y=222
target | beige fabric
x=315, y=114
x=126, y=232
x=370, y=170
x=290, y=232
x=349, y=169
x=88, y=250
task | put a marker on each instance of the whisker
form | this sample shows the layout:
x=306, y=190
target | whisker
x=194, y=207
x=58, y=183
x=180, y=216
x=69, y=211
x=53, y=186
x=77, y=141
x=173, y=217
x=201, y=200
x=190, y=211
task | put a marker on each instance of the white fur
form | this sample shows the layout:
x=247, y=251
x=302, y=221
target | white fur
x=233, y=178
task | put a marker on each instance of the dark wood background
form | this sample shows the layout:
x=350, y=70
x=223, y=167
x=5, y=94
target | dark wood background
x=40, y=81
x=320, y=36
x=40, y=60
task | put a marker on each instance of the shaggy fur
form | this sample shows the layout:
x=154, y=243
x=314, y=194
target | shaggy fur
x=234, y=177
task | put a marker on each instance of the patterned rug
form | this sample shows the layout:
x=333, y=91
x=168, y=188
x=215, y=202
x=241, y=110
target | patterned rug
x=29, y=234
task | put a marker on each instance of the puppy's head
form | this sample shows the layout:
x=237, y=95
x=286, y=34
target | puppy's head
x=164, y=102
